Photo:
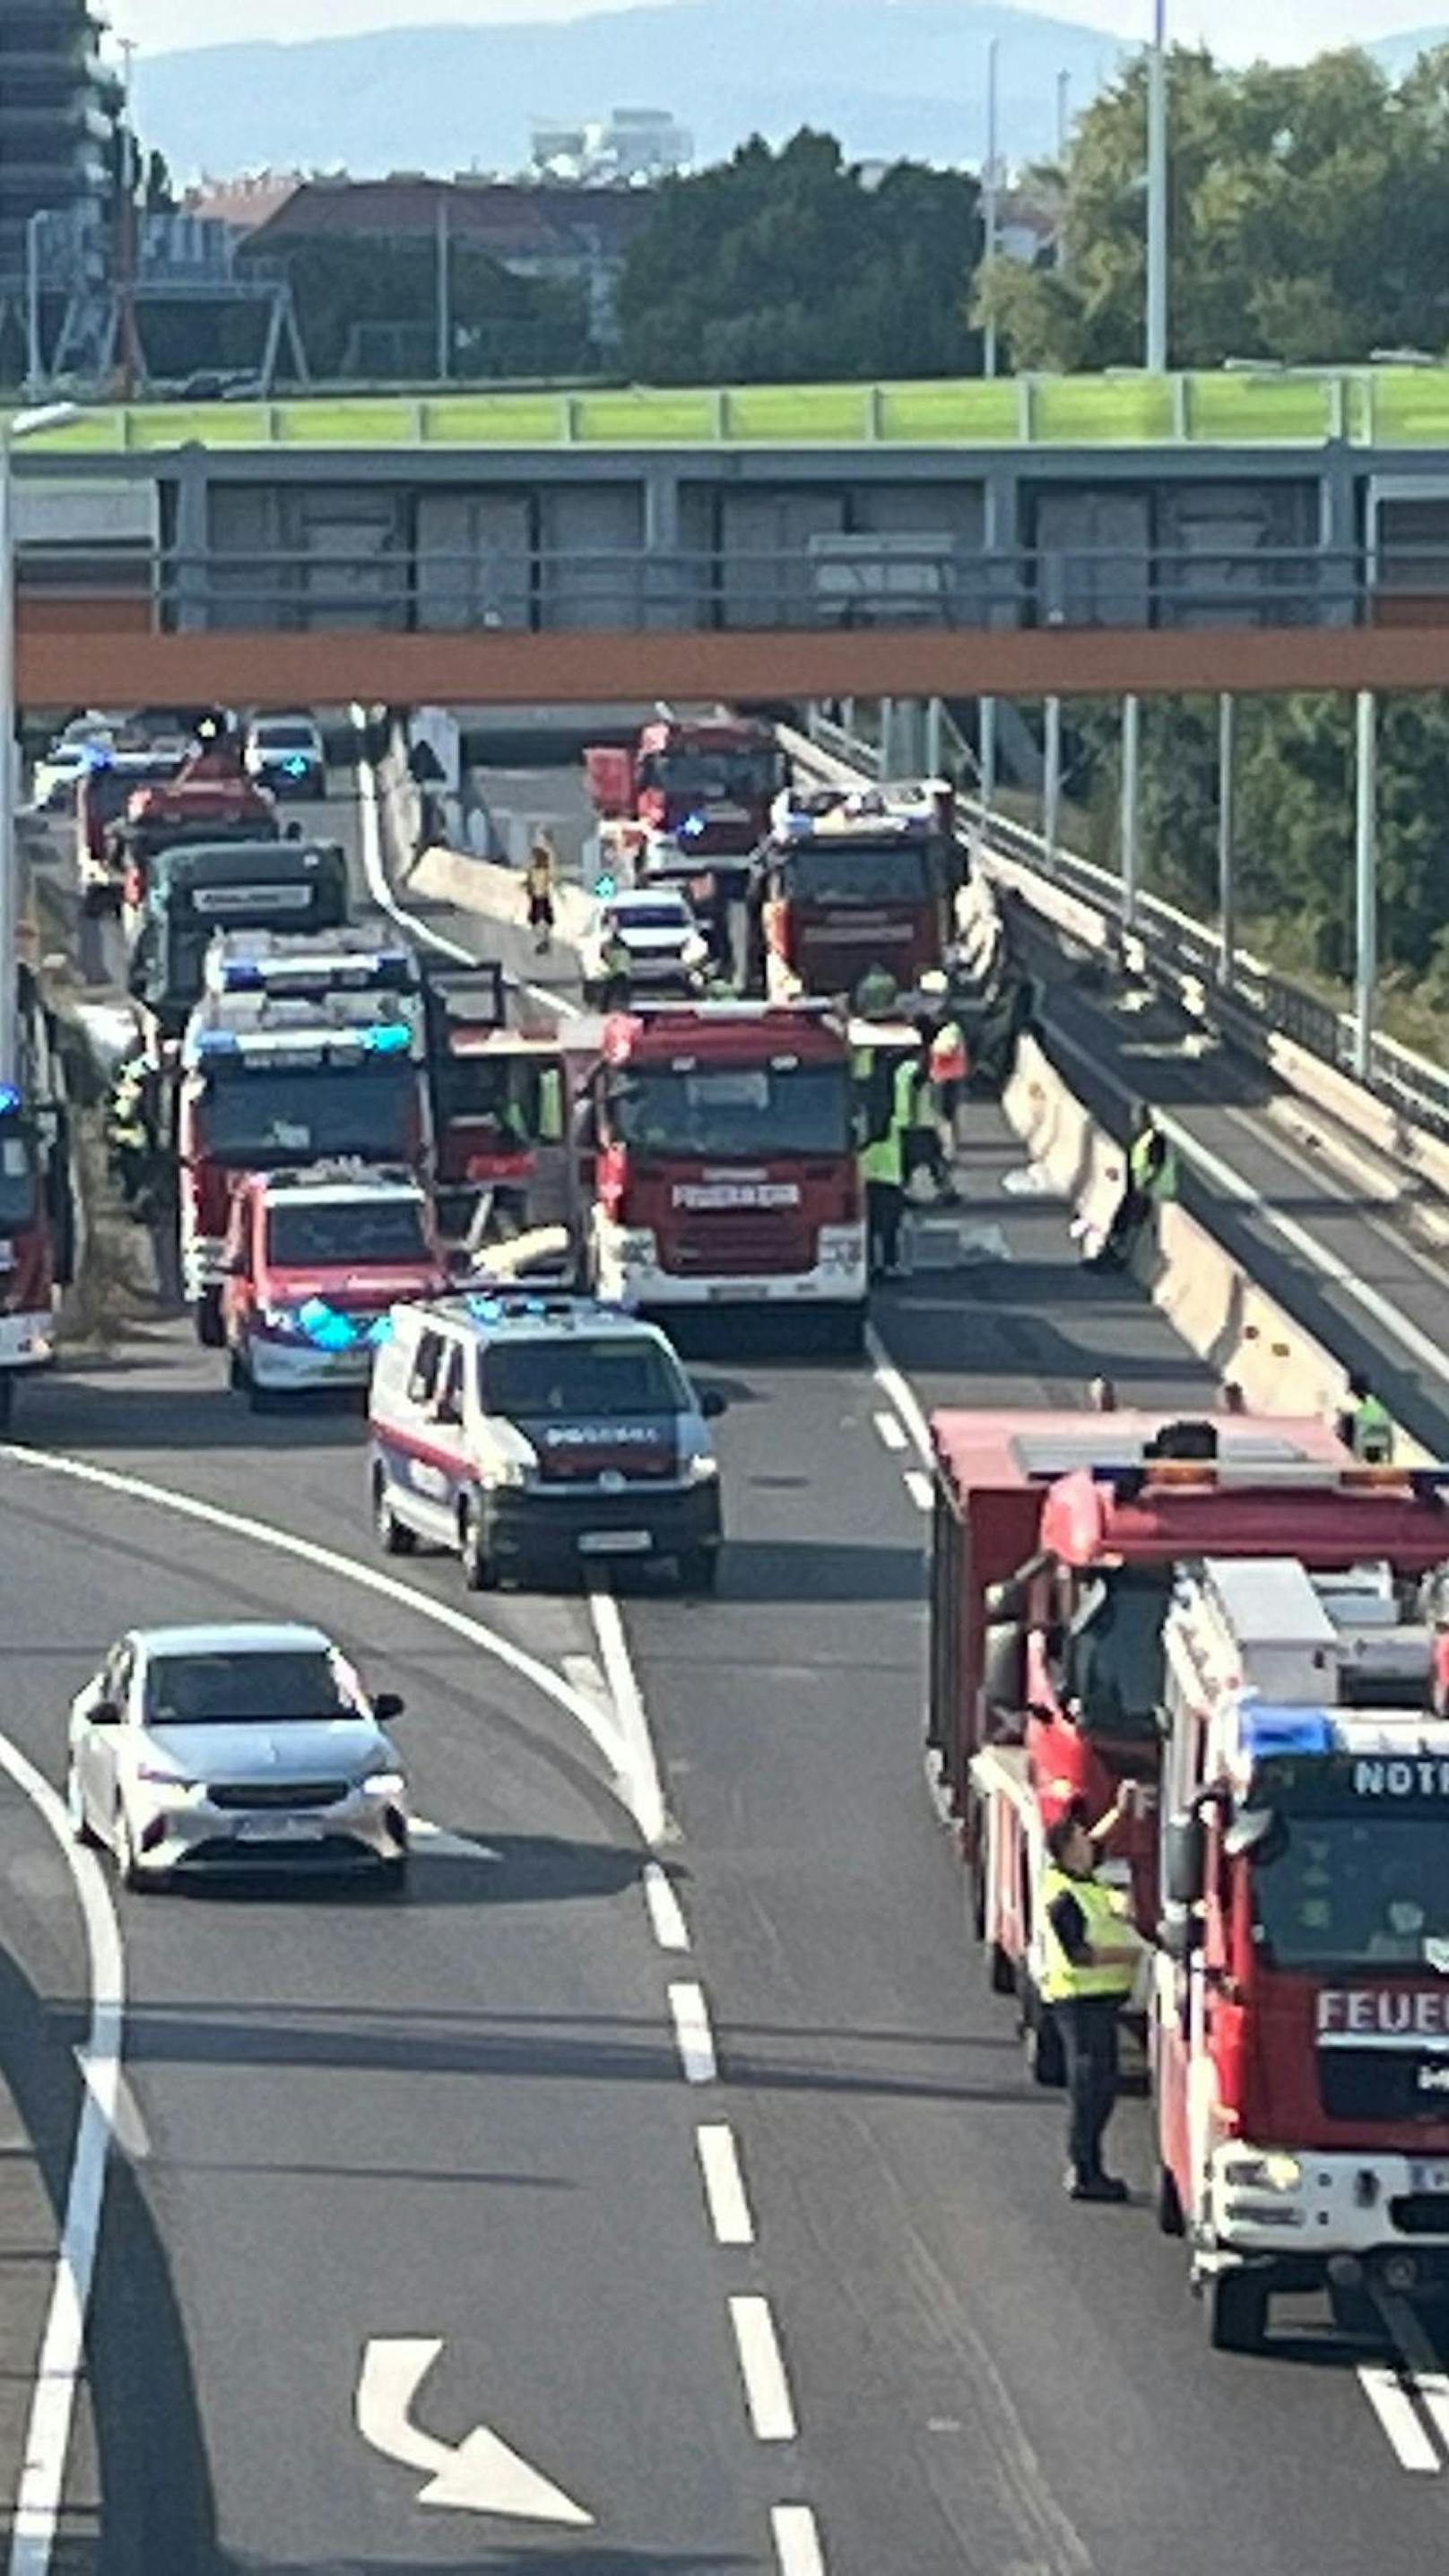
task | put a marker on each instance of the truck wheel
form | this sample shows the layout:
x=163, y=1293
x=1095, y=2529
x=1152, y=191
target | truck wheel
x=1237, y=2306
x=206, y=1316
x=7, y=1399
x=1167, y=2204
x=699, y=1569
x=1000, y=1970
x=1045, y=2061
x=393, y=1536
x=473, y=1549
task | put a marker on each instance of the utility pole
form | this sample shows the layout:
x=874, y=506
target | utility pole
x=1366, y=885
x=1064, y=112
x=1051, y=817
x=1227, y=890
x=991, y=183
x=444, y=290
x=127, y=221
x=34, y=349
x=1131, y=783
x=1158, y=251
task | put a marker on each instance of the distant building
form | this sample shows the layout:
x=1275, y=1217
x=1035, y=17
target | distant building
x=244, y=202
x=58, y=112
x=634, y=145
x=578, y=235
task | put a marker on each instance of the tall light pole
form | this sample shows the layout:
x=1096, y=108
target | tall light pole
x=1158, y=250
x=444, y=311
x=22, y=425
x=991, y=184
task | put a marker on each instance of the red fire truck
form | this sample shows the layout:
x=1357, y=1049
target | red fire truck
x=724, y=1164
x=301, y=1052
x=851, y=882
x=1058, y=1540
x=37, y=1217
x=1301, y=2021
x=708, y=780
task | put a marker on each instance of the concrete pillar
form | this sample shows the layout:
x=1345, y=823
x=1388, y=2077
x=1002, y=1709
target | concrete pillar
x=666, y=585
x=186, y=576
x=1338, y=532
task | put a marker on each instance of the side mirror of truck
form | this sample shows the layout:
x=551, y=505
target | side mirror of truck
x=1182, y=1859
x=386, y=1706
x=104, y=1712
x=711, y=1403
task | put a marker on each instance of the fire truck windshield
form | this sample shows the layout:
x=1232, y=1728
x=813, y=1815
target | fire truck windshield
x=745, y=1111
x=860, y=872
x=1354, y=1890
x=714, y=777
x=262, y=1118
x=1115, y=1656
x=17, y=1184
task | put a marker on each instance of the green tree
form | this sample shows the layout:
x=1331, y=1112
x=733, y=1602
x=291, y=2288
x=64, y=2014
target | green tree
x=785, y=265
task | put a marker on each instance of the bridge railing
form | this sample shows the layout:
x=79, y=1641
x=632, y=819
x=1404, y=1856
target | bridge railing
x=1185, y=956
x=833, y=580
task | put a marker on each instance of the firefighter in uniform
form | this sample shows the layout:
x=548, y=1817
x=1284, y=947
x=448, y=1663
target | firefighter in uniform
x=1092, y=1950
x=131, y=1126
x=1151, y=1179
x=877, y=993
x=1365, y=1424
x=618, y=968
x=882, y=1165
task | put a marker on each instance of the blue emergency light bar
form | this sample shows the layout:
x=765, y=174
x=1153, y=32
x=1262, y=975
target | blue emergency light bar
x=390, y=1037
x=1274, y=1731
x=9, y=1099
x=331, y=1331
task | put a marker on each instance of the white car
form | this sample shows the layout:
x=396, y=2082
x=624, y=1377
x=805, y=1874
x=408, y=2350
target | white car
x=253, y=1744
x=668, y=952
x=286, y=754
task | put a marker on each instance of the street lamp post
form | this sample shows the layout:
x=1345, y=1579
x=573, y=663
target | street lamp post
x=991, y=186
x=1157, y=172
x=23, y=425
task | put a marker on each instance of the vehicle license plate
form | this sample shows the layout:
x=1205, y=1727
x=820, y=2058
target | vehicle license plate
x=280, y=1829
x=615, y=1543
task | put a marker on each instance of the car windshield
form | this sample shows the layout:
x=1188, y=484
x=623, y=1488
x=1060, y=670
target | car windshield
x=1353, y=1891
x=527, y=1381
x=263, y=1688
x=717, y=777
x=285, y=737
x=860, y=872
x=652, y=916
x=262, y=1119
x=17, y=1183
x=1117, y=1657
x=738, y=1111
x=353, y=1232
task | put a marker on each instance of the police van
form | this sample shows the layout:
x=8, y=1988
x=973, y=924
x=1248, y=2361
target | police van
x=532, y=1433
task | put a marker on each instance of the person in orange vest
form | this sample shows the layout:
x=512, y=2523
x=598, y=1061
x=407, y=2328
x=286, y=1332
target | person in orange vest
x=949, y=1067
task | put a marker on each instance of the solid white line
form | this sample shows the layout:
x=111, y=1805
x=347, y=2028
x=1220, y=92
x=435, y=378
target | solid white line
x=638, y=1792
x=640, y=1762
x=1399, y=2421
x=798, y=2548
x=1420, y=2368
x=724, y=2184
x=920, y=1488
x=893, y=1386
x=665, y=1911
x=62, y=2350
x=1232, y=1185
x=128, y=2128
x=890, y=1431
x=692, y=2034
x=762, y=2367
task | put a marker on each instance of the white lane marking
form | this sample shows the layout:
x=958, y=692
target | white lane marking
x=693, y=2035
x=893, y=1386
x=62, y=2350
x=724, y=2184
x=920, y=1488
x=762, y=2367
x=582, y=1673
x=1398, y=2419
x=665, y=1911
x=1420, y=2368
x=639, y=1793
x=380, y=889
x=128, y=2128
x=890, y=1431
x=630, y=1716
x=1232, y=1185
x=480, y=2474
x=798, y=2549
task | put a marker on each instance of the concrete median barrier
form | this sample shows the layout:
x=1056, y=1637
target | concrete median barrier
x=499, y=894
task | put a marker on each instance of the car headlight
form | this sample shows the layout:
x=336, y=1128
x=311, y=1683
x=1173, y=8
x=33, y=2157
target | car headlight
x=701, y=1469
x=508, y=1472
x=382, y=1784
x=1275, y=2170
x=694, y=951
x=636, y=1246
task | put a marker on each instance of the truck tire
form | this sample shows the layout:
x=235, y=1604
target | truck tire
x=1237, y=2312
x=393, y=1536
x=1167, y=2204
x=699, y=1569
x=477, y=1564
x=206, y=1316
x=7, y=1399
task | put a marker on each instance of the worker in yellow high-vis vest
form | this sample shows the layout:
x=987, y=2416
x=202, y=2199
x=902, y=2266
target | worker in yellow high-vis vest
x=1091, y=1952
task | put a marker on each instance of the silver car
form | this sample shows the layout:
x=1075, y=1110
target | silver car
x=249, y=1744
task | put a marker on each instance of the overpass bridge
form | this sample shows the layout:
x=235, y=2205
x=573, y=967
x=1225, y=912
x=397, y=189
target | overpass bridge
x=1035, y=537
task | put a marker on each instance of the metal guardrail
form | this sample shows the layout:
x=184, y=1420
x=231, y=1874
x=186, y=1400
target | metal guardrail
x=1186, y=957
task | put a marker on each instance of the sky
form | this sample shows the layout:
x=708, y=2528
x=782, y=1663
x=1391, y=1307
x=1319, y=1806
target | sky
x=1285, y=29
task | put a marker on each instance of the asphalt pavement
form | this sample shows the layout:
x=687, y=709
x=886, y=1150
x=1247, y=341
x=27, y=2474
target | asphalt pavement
x=724, y=2194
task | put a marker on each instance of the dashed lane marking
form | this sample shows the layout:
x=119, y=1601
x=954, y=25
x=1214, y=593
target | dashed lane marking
x=1399, y=2419
x=762, y=2368
x=919, y=1487
x=724, y=2184
x=665, y=1911
x=891, y=1432
x=798, y=2549
x=893, y=1386
x=693, y=2035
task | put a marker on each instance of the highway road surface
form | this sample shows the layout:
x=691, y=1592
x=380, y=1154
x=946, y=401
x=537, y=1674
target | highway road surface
x=708, y=2200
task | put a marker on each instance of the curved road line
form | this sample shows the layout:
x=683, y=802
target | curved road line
x=62, y=2350
x=622, y=1736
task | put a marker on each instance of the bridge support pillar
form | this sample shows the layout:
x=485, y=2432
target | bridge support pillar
x=188, y=608
x=666, y=599
x=1338, y=535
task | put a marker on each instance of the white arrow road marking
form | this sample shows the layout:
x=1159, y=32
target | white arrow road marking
x=477, y=2475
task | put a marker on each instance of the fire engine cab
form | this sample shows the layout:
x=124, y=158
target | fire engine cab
x=1301, y=2019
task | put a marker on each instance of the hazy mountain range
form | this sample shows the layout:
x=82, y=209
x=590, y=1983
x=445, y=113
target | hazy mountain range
x=888, y=76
